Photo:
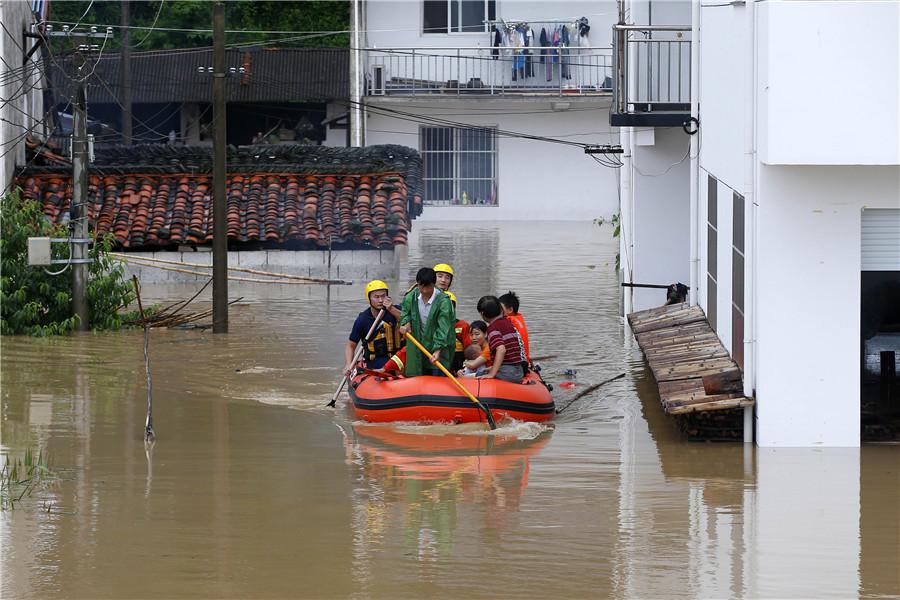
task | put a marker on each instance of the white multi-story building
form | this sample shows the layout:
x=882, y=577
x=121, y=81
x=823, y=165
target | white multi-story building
x=783, y=209
x=21, y=84
x=431, y=78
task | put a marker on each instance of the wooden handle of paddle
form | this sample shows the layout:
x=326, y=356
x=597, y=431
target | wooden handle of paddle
x=471, y=397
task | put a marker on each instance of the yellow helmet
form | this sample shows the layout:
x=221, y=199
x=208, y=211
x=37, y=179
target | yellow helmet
x=452, y=296
x=374, y=286
x=443, y=268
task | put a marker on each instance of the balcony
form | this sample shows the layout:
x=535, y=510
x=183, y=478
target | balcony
x=653, y=76
x=481, y=71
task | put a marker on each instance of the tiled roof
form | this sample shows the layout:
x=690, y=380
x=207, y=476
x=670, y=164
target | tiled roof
x=270, y=75
x=299, y=196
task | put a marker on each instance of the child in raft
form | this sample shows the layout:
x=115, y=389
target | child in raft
x=507, y=352
x=509, y=302
x=480, y=363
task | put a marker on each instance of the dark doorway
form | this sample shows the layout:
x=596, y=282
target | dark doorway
x=880, y=356
x=275, y=123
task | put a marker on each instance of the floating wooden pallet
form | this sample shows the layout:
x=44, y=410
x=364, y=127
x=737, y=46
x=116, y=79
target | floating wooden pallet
x=681, y=349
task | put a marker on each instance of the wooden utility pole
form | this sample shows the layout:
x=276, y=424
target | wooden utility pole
x=80, y=159
x=220, y=228
x=125, y=73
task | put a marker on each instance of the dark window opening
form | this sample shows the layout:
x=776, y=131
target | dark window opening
x=880, y=356
x=457, y=16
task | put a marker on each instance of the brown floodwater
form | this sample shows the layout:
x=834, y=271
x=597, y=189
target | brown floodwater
x=256, y=490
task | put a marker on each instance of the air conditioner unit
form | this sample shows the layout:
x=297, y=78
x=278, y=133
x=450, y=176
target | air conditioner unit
x=377, y=80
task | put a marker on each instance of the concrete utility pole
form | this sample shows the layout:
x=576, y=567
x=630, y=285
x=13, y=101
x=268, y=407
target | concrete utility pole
x=80, y=160
x=220, y=227
x=125, y=73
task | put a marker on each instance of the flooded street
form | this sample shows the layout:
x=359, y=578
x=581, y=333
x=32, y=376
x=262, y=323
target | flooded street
x=255, y=489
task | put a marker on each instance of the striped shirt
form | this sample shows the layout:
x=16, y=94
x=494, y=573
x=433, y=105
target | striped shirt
x=502, y=331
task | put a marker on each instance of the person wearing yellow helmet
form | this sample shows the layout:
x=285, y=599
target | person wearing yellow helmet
x=385, y=340
x=428, y=314
x=444, y=273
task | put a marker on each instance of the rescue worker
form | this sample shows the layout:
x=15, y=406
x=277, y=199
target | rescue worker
x=444, y=274
x=463, y=339
x=428, y=313
x=386, y=338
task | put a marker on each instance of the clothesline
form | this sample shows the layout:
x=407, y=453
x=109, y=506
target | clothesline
x=554, y=21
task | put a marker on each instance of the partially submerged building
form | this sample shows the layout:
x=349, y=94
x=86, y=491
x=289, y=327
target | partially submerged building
x=22, y=110
x=780, y=207
x=478, y=88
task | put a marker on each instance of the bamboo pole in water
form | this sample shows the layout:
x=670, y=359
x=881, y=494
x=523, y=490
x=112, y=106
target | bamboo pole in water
x=127, y=258
x=149, y=433
x=202, y=274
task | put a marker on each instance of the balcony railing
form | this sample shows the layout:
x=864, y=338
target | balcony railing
x=485, y=71
x=652, y=71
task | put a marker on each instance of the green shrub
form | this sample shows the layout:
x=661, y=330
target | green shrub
x=34, y=302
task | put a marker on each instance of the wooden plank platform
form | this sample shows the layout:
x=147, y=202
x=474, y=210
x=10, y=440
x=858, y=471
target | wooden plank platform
x=682, y=349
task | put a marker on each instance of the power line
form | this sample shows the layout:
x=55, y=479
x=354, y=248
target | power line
x=158, y=11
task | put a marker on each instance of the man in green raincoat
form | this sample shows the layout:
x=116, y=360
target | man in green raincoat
x=428, y=314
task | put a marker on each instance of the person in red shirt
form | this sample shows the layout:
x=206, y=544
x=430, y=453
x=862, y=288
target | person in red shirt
x=509, y=302
x=507, y=353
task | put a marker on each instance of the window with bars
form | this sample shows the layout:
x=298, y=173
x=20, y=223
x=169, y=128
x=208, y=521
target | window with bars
x=457, y=16
x=459, y=165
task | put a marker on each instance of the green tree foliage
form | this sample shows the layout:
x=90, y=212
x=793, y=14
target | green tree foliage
x=243, y=15
x=32, y=301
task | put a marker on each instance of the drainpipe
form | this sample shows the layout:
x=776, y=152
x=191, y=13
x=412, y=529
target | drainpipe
x=626, y=172
x=694, y=152
x=750, y=223
x=356, y=78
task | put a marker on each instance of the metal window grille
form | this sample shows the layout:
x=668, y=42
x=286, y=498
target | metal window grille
x=459, y=165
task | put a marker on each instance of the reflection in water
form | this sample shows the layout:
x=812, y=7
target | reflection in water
x=414, y=479
x=252, y=490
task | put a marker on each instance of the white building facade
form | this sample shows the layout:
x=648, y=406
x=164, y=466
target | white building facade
x=791, y=193
x=21, y=86
x=431, y=78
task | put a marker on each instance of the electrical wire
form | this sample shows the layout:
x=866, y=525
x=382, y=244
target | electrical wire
x=37, y=153
x=291, y=31
x=158, y=12
x=116, y=100
x=83, y=15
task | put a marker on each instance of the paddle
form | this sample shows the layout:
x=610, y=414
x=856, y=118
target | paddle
x=359, y=350
x=487, y=412
x=589, y=390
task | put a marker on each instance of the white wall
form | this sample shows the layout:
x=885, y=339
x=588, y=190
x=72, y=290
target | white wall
x=661, y=213
x=829, y=82
x=723, y=52
x=20, y=96
x=536, y=180
x=808, y=293
x=334, y=136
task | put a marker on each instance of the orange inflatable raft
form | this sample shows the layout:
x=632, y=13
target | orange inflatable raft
x=380, y=398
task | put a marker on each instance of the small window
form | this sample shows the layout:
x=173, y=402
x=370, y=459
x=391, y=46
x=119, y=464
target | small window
x=457, y=16
x=459, y=165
